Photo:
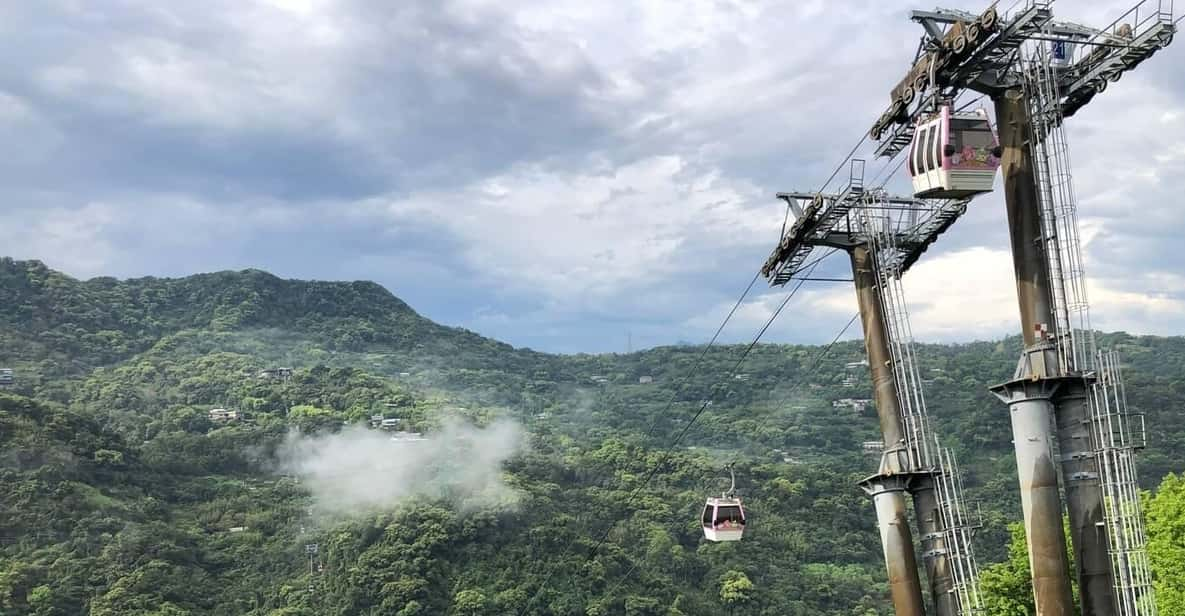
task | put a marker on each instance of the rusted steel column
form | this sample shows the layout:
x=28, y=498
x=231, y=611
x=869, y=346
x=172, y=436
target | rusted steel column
x=1070, y=410
x=888, y=487
x=884, y=389
x=1084, y=499
x=1024, y=216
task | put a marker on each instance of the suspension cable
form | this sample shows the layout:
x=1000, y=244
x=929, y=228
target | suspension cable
x=816, y=363
x=666, y=454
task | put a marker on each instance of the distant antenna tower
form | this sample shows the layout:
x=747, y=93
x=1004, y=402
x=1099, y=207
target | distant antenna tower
x=312, y=550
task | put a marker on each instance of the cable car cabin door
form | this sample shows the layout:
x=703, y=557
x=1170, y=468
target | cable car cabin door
x=925, y=163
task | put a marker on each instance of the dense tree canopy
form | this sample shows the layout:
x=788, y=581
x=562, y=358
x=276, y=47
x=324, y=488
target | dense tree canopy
x=121, y=494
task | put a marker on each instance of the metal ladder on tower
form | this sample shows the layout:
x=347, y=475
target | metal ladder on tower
x=926, y=453
x=1114, y=441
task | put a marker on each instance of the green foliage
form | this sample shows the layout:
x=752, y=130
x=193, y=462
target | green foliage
x=118, y=493
x=1007, y=587
x=735, y=588
x=1166, y=544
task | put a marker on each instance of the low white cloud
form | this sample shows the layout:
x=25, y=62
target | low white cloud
x=76, y=240
x=359, y=471
x=964, y=295
x=1157, y=308
x=114, y=236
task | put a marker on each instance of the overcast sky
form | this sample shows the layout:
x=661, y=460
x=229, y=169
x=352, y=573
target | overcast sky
x=555, y=174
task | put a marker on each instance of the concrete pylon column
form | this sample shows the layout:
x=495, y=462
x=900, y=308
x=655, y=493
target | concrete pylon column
x=888, y=497
x=1084, y=497
x=1031, y=412
x=934, y=549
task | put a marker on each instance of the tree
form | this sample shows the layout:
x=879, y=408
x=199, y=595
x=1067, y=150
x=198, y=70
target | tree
x=41, y=600
x=1166, y=544
x=1007, y=587
x=469, y=602
x=642, y=606
x=735, y=588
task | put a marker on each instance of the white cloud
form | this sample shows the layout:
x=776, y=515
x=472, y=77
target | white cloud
x=958, y=296
x=75, y=239
x=964, y=295
x=602, y=164
x=105, y=237
x=358, y=471
x=587, y=236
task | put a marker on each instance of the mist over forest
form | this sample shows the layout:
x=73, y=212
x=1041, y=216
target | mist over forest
x=235, y=443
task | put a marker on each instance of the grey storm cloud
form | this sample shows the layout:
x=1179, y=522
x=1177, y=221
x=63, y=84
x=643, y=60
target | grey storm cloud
x=210, y=97
x=552, y=174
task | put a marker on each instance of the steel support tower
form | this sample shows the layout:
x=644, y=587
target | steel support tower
x=883, y=235
x=1065, y=399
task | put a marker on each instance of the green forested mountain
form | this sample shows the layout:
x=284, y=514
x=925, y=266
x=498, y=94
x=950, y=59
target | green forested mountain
x=119, y=494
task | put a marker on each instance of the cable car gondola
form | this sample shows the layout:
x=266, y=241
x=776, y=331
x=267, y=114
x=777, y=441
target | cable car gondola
x=724, y=518
x=953, y=155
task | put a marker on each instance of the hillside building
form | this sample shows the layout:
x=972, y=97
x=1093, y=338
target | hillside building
x=856, y=404
x=225, y=415
x=275, y=374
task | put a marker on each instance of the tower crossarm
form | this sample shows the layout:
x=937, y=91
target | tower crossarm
x=963, y=51
x=959, y=51
x=825, y=219
x=1089, y=64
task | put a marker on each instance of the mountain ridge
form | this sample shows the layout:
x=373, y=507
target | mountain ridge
x=114, y=464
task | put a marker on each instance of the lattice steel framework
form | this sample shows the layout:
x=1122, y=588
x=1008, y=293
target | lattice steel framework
x=1115, y=440
x=896, y=230
x=926, y=452
x=1060, y=67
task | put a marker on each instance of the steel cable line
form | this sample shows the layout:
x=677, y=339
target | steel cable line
x=666, y=454
x=699, y=360
x=816, y=363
